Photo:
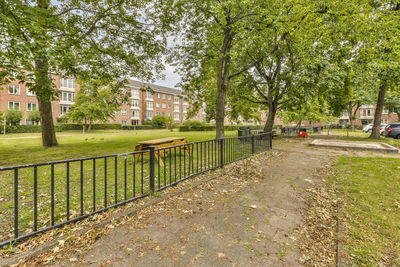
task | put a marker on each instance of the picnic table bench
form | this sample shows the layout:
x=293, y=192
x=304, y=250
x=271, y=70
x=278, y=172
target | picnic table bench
x=159, y=144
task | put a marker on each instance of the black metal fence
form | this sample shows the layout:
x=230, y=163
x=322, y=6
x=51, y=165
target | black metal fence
x=39, y=197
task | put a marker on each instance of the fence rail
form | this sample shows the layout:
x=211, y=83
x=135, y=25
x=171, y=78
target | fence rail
x=35, y=198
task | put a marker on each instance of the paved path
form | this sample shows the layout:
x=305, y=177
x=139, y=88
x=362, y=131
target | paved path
x=244, y=222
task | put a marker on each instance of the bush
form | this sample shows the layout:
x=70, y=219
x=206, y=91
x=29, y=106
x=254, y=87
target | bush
x=63, y=119
x=137, y=127
x=34, y=116
x=14, y=117
x=161, y=121
x=22, y=129
x=79, y=126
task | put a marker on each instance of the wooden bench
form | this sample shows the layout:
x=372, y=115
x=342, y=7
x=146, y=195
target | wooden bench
x=160, y=144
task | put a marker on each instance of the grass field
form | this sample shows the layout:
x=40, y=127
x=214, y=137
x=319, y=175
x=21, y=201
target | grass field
x=17, y=149
x=370, y=188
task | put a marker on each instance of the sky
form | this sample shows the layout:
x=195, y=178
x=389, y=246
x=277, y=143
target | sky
x=171, y=78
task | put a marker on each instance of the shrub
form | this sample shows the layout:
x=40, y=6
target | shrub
x=161, y=121
x=137, y=127
x=14, y=117
x=34, y=116
x=63, y=119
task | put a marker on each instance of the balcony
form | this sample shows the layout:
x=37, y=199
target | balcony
x=68, y=89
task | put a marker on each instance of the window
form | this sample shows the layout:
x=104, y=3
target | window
x=169, y=97
x=163, y=113
x=163, y=96
x=135, y=113
x=169, y=105
x=169, y=114
x=135, y=93
x=149, y=105
x=135, y=103
x=176, y=107
x=176, y=116
x=30, y=93
x=123, y=102
x=64, y=109
x=158, y=95
x=176, y=99
x=185, y=108
x=158, y=113
x=31, y=106
x=164, y=105
x=385, y=111
x=157, y=105
x=13, y=105
x=68, y=83
x=123, y=123
x=123, y=112
x=149, y=95
x=149, y=114
x=366, y=112
x=65, y=96
x=13, y=90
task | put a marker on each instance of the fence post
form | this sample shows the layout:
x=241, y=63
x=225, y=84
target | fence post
x=221, y=148
x=252, y=144
x=270, y=139
x=151, y=169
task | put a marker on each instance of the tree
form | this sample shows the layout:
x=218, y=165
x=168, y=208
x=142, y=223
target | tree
x=34, y=116
x=14, y=117
x=108, y=39
x=392, y=103
x=213, y=35
x=160, y=121
x=96, y=101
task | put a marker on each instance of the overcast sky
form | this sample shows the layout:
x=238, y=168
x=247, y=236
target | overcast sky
x=171, y=78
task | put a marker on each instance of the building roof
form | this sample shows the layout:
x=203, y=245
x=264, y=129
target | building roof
x=154, y=87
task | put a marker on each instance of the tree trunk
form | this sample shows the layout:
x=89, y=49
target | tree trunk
x=46, y=120
x=378, y=111
x=269, y=124
x=223, y=82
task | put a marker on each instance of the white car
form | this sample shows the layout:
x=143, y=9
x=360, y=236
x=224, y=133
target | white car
x=368, y=128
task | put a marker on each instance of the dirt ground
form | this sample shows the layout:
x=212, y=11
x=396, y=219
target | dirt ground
x=251, y=214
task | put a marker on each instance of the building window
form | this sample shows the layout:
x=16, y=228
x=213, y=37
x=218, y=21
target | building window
x=158, y=113
x=149, y=104
x=176, y=107
x=169, y=114
x=176, y=99
x=30, y=93
x=123, y=123
x=169, y=105
x=164, y=105
x=149, y=95
x=135, y=113
x=163, y=96
x=185, y=108
x=65, y=96
x=157, y=105
x=366, y=112
x=169, y=97
x=135, y=103
x=176, y=116
x=123, y=112
x=385, y=111
x=13, y=105
x=149, y=114
x=13, y=90
x=163, y=113
x=64, y=109
x=31, y=106
x=68, y=83
x=135, y=93
x=158, y=95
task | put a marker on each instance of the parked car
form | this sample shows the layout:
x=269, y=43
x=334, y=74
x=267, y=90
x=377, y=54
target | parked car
x=392, y=130
x=368, y=128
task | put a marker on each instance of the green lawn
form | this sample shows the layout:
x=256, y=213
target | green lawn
x=17, y=149
x=370, y=188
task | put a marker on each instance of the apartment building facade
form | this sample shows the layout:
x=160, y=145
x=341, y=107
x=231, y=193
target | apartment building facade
x=365, y=115
x=146, y=101
x=18, y=96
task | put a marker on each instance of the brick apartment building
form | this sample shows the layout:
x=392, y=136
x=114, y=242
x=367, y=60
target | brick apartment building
x=365, y=115
x=146, y=101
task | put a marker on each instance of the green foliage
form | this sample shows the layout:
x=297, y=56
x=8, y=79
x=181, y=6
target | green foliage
x=34, y=116
x=104, y=39
x=96, y=102
x=137, y=127
x=1, y=117
x=14, y=117
x=160, y=121
x=62, y=119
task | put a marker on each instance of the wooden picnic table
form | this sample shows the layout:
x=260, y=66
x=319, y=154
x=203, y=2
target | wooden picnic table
x=161, y=143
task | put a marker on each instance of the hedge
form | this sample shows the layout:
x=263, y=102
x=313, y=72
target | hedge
x=137, y=127
x=184, y=128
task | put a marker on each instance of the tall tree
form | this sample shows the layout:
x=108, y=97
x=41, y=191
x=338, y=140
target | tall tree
x=116, y=39
x=213, y=34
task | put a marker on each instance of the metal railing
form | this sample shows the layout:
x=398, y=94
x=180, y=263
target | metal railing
x=38, y=197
